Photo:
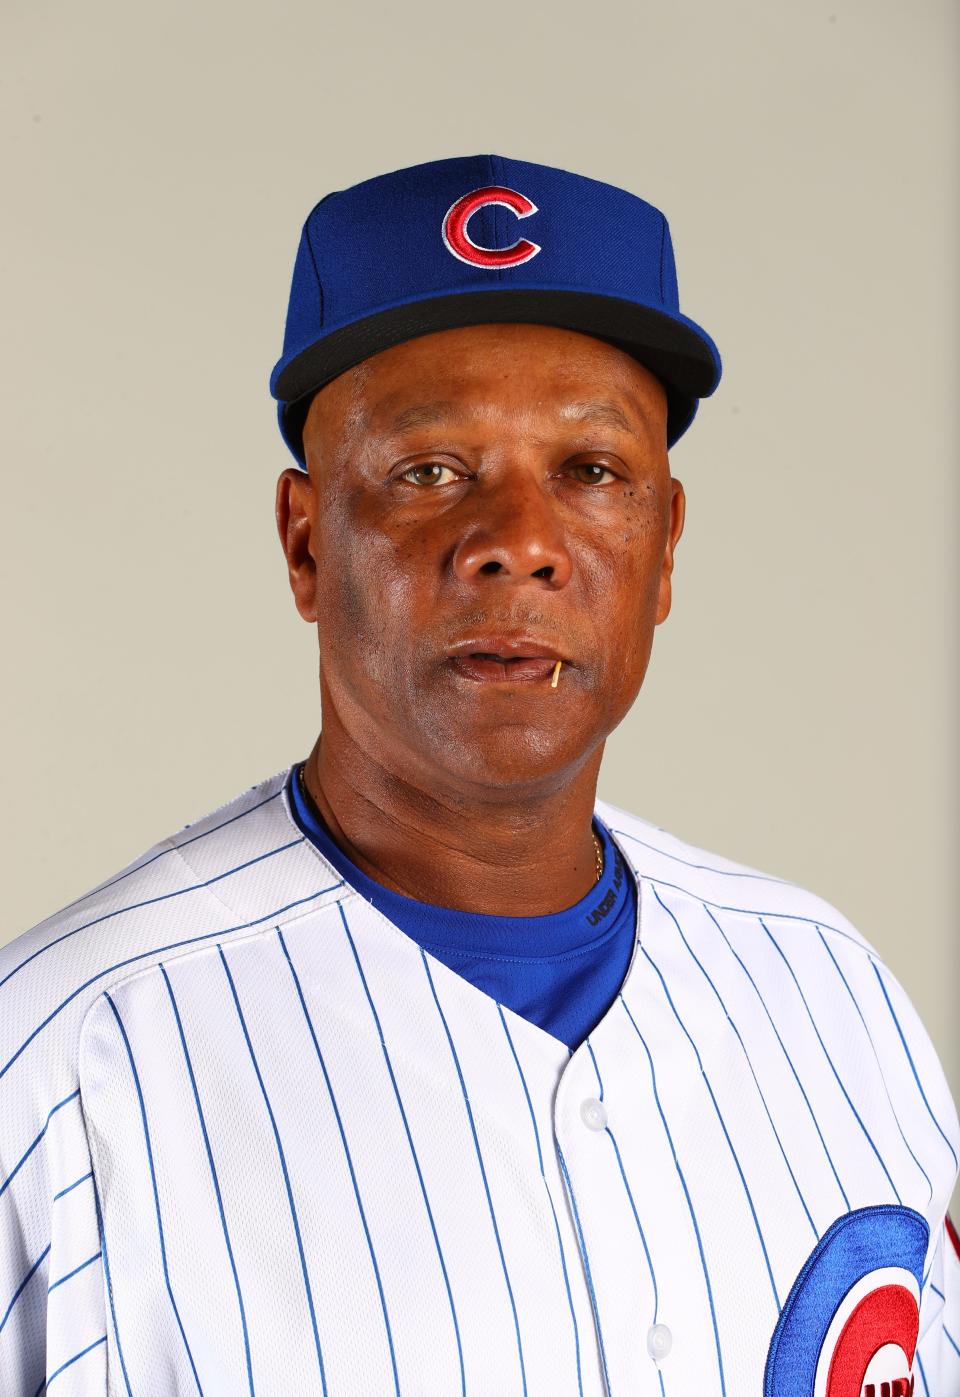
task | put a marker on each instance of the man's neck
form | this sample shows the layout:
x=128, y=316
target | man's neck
x=527, y=856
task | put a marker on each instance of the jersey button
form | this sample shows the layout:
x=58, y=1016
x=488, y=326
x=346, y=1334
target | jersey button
x=659, y=1342
x=593, y=1113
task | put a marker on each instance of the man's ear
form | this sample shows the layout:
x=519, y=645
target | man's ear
x=678, y=505
x=294, y=512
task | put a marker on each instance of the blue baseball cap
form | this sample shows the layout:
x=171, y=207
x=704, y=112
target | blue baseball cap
x=477, y=239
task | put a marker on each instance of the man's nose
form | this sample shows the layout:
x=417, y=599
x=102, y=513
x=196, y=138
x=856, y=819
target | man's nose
x=515, y=531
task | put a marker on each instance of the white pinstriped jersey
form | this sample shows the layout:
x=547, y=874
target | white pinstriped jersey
x=255, y=1140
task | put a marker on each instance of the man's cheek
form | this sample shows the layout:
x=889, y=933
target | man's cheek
x=351, y=592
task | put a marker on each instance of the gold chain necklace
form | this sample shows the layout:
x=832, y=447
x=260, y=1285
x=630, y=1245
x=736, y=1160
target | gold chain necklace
x=599, y=849
x=597, y=846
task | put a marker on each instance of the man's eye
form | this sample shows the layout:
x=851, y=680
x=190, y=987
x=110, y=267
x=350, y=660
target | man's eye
x=434, y=466
x=594, y=466
x=431, y=473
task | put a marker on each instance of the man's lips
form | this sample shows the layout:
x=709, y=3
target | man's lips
x=505, y=659
x=510, y=671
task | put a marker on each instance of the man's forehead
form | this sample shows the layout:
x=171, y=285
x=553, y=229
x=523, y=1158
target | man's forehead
x=549, y=378
x=496, y=351
x=398, y=414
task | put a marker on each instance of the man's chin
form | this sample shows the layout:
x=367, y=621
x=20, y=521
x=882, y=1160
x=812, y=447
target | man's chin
x=513, y=759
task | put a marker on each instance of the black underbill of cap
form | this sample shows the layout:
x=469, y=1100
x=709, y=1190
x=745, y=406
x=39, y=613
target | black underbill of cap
x=670, y=350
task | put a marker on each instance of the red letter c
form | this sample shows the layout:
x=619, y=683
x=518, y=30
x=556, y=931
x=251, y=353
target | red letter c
x=458, y=241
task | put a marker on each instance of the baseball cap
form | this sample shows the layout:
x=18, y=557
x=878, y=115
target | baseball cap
x=477, y=239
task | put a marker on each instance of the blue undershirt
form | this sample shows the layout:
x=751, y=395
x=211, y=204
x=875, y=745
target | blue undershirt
x=561, y=971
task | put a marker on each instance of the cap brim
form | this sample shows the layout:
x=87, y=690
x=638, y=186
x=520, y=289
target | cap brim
x=672, y=347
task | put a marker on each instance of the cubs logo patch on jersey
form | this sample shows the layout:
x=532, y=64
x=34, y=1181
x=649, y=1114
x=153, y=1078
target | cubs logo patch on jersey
x=850, y=1324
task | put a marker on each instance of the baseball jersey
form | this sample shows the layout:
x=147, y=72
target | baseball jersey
x=255, y=1139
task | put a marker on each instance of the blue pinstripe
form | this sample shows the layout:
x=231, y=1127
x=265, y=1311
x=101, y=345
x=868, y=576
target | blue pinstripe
x=349, y=1159
x=283, y=1166
x=586, y=1264
x=786, y=1055
x=82, y=1179
x=170, y=849
x=149, y=902
x=723, y=1127
x=155, y=950
x=877, y=1059
x=483, y=1172
x=913, y=1069
x=756, y=912
x=636, y=1216
x=213, y=1172
x=106, y=1267
x=34, y=1143
x=153, y=1180
x=623, y=1175
x=926, y=1386
x=413, y=1152
x=703, y=867
x=83, y=1264
x=22, y=1286
x=750, y=1065
x=536, y=1136
x=866, y=1133
x=686, y=1193
x=96, y=1343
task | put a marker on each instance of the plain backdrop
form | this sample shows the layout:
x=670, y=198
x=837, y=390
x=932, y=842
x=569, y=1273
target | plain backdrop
x=158, y=162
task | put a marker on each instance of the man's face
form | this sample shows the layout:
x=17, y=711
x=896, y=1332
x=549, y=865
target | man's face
x=498, y=480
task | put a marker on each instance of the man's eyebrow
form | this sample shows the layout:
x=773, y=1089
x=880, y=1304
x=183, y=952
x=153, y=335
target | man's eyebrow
x=425, y=415
x=602, y=411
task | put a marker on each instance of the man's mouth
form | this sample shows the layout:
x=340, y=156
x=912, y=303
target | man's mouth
x=504, y=657
x=483, y=666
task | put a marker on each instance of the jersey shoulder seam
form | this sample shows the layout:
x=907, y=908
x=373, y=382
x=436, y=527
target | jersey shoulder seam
x=853, y=936
x=237, y=934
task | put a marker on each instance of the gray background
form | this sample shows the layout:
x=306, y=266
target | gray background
x=798, y=714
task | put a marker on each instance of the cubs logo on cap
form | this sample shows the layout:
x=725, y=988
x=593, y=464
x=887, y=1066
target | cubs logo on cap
x=459, y=242
x=477, y=240
x=850, y=1324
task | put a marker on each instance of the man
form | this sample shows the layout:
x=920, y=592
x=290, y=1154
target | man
x=415, y=1068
